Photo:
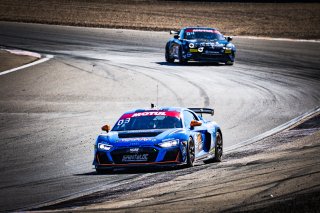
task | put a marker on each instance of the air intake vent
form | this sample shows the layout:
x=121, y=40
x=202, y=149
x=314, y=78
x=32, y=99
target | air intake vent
x=138, y=134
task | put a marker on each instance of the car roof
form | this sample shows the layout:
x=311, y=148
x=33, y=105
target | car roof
x=176, y=109
x=204, y=28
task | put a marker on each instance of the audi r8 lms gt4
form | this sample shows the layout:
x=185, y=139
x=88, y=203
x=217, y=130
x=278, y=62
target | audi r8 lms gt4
x=200, y=44
x=159, y=137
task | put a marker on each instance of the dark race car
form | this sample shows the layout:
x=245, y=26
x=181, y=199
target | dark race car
x=200, y=44
x=158, y=137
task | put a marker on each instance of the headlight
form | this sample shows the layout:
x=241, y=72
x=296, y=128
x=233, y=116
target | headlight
x=191, y=45
x=103, y=146
x=200, y=49
x=169, y=143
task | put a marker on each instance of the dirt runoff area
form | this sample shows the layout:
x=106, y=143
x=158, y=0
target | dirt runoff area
x=282, y=20
x=278, y=174
x=15, y=58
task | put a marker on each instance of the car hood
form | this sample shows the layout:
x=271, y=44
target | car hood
x=139, y=137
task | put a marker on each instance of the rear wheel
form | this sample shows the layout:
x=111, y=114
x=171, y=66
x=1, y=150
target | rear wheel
x=217, y=150
x=190, y=153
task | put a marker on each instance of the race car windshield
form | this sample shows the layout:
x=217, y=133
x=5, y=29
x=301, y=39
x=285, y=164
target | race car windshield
x=204, y=35
x=145, y=122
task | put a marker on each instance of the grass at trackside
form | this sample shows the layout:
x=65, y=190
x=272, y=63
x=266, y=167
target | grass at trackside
x=283, y=20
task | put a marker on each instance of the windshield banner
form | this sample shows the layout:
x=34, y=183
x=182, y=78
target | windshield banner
x=152, y=113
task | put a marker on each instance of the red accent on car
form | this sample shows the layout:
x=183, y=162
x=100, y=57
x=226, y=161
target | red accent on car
x=151, y=113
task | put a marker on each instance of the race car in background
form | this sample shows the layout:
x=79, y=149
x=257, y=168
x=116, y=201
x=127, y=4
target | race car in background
x=200, y=44
x=159, y=137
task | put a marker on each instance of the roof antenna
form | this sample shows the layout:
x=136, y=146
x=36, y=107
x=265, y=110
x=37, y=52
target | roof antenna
x=155, y=105
x=157, y=94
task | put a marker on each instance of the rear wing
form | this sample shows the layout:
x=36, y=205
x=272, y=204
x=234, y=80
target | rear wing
x=174, y=32
x=203, y=111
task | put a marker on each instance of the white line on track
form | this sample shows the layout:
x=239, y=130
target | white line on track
x=278, y=39
x=274, y=130
x=46, y=58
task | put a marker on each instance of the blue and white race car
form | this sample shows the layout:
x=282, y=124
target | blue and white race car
x=163, y=136
x=200, y=44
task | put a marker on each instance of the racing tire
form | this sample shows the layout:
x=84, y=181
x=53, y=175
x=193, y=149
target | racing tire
x=181, y=59
x=229, y=63
x=218, y=150
x=190, y=153
x=167, y=56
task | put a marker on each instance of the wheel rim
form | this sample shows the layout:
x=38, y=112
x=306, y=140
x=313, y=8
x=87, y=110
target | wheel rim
x=219, y=146
x=191, y=151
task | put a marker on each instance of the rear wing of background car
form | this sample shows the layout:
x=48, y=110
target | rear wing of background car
x=203, y=111
x=174, y=32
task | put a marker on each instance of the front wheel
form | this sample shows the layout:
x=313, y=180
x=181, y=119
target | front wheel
x=167, y=56
x=181, y=59
x=190, y=153
x=229, y=63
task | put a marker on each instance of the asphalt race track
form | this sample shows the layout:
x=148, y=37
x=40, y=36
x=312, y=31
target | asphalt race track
x=51, y=113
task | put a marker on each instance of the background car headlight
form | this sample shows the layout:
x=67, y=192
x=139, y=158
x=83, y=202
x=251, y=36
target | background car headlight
x=103, y=146
x=169, y=143
x=191, y=45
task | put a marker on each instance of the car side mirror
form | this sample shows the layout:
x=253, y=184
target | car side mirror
x=176, y=36
x=106, y=128
x=195, y=123
x=229, y=38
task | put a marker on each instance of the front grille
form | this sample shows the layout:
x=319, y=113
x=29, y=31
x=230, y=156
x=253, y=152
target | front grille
x=138, y=134
x=117, y=155
x=212, y=56
x=103, y=158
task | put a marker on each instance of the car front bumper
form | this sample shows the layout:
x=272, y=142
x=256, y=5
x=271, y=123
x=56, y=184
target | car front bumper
x=122, y=157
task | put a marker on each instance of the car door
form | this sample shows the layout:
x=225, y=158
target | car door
x=198, y=133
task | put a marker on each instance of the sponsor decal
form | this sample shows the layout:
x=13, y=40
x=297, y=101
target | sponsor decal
x=150, y=113
x=202, y=30
x=199, y=141
x=134, y=150
x=211, y=44
x=136, y=139
x=135, y=158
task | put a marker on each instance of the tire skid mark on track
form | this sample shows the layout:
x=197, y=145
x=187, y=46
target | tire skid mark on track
x=179, y=99
x=112, y=76
x=202, y=92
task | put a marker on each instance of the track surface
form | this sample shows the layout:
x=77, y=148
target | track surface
x=51, y=113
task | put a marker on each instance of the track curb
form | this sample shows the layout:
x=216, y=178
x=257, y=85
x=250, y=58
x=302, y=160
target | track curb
x=43, y=58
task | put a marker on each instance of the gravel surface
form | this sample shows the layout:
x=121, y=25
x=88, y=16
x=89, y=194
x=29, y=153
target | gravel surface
x=283, y=20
